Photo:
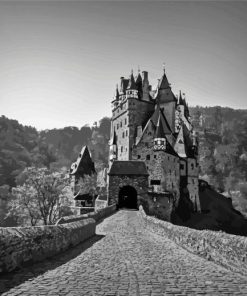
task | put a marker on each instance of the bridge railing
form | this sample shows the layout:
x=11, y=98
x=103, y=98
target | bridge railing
x=97, y=215
x=20, y=245
x=223, y=248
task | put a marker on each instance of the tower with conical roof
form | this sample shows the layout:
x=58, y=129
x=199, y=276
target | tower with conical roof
x=166, y=99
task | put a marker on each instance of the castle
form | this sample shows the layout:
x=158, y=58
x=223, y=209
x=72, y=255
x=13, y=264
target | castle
x=153, y=151
x=153, y=154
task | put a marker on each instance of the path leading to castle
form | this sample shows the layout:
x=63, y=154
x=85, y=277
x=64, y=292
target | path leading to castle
x=124, y=259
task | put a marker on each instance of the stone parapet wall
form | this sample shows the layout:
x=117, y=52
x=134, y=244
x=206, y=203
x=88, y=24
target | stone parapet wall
x=225, y=249
x=97, y=216
x=20, y=245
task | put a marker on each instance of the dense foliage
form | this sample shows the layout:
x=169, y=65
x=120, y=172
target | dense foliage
x=223, y=152
x=43, y=198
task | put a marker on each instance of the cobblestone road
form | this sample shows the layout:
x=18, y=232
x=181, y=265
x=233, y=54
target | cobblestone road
x=124, y=259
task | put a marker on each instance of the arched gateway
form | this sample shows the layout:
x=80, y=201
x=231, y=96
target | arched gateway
x=127, y=197
x=128, y=183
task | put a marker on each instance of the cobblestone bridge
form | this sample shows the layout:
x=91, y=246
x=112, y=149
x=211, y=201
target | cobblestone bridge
x=124, y=259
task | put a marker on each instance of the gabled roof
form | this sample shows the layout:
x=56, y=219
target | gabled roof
x=83, y=165
x=158, y=113
x=130, y=167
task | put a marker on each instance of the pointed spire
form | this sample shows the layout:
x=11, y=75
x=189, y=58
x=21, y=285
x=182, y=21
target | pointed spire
x=132, y=84
x=159, y=129
x=164, y=84
x=138, y=77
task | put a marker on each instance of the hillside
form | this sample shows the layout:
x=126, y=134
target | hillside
x=217, y=214
x=222, y=137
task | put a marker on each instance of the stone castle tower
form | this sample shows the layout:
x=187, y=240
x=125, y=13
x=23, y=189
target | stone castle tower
x=153, y=147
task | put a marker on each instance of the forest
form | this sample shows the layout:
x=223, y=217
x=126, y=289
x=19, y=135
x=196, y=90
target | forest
x=223, y=152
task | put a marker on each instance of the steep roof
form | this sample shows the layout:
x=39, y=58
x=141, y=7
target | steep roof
x=158, y=113
x=179, y=146
x=138, y=78
x=164, y=93
x=132, y=84
x=83, y=165
x=159, y=133
x=164, y=84
x=130, y=167
x=184, y=143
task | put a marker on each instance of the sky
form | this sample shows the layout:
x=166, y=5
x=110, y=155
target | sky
x=60, y=61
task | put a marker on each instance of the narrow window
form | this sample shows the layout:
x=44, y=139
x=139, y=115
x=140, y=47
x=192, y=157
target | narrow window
x=117, y=126
x=155, y=156
x=121, y=148
x=126, y=133
x=120, y=123
x=148, y=157
x=125, y=120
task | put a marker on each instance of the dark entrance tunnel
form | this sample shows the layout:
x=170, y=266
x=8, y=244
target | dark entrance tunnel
x=127, y=197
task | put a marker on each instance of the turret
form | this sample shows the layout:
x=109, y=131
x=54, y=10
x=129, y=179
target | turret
x=166, y=99
x=159, y=138
x=115, y=101
x=131, y=90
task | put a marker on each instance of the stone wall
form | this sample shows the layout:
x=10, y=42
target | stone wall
x=222, y=248
x=140, y=183
x=20, y=245
x=97, y=216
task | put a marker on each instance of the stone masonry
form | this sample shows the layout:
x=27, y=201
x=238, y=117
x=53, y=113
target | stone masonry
x=125, y=259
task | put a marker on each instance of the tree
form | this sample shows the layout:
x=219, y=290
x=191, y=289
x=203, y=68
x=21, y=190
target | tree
x=43, y=197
